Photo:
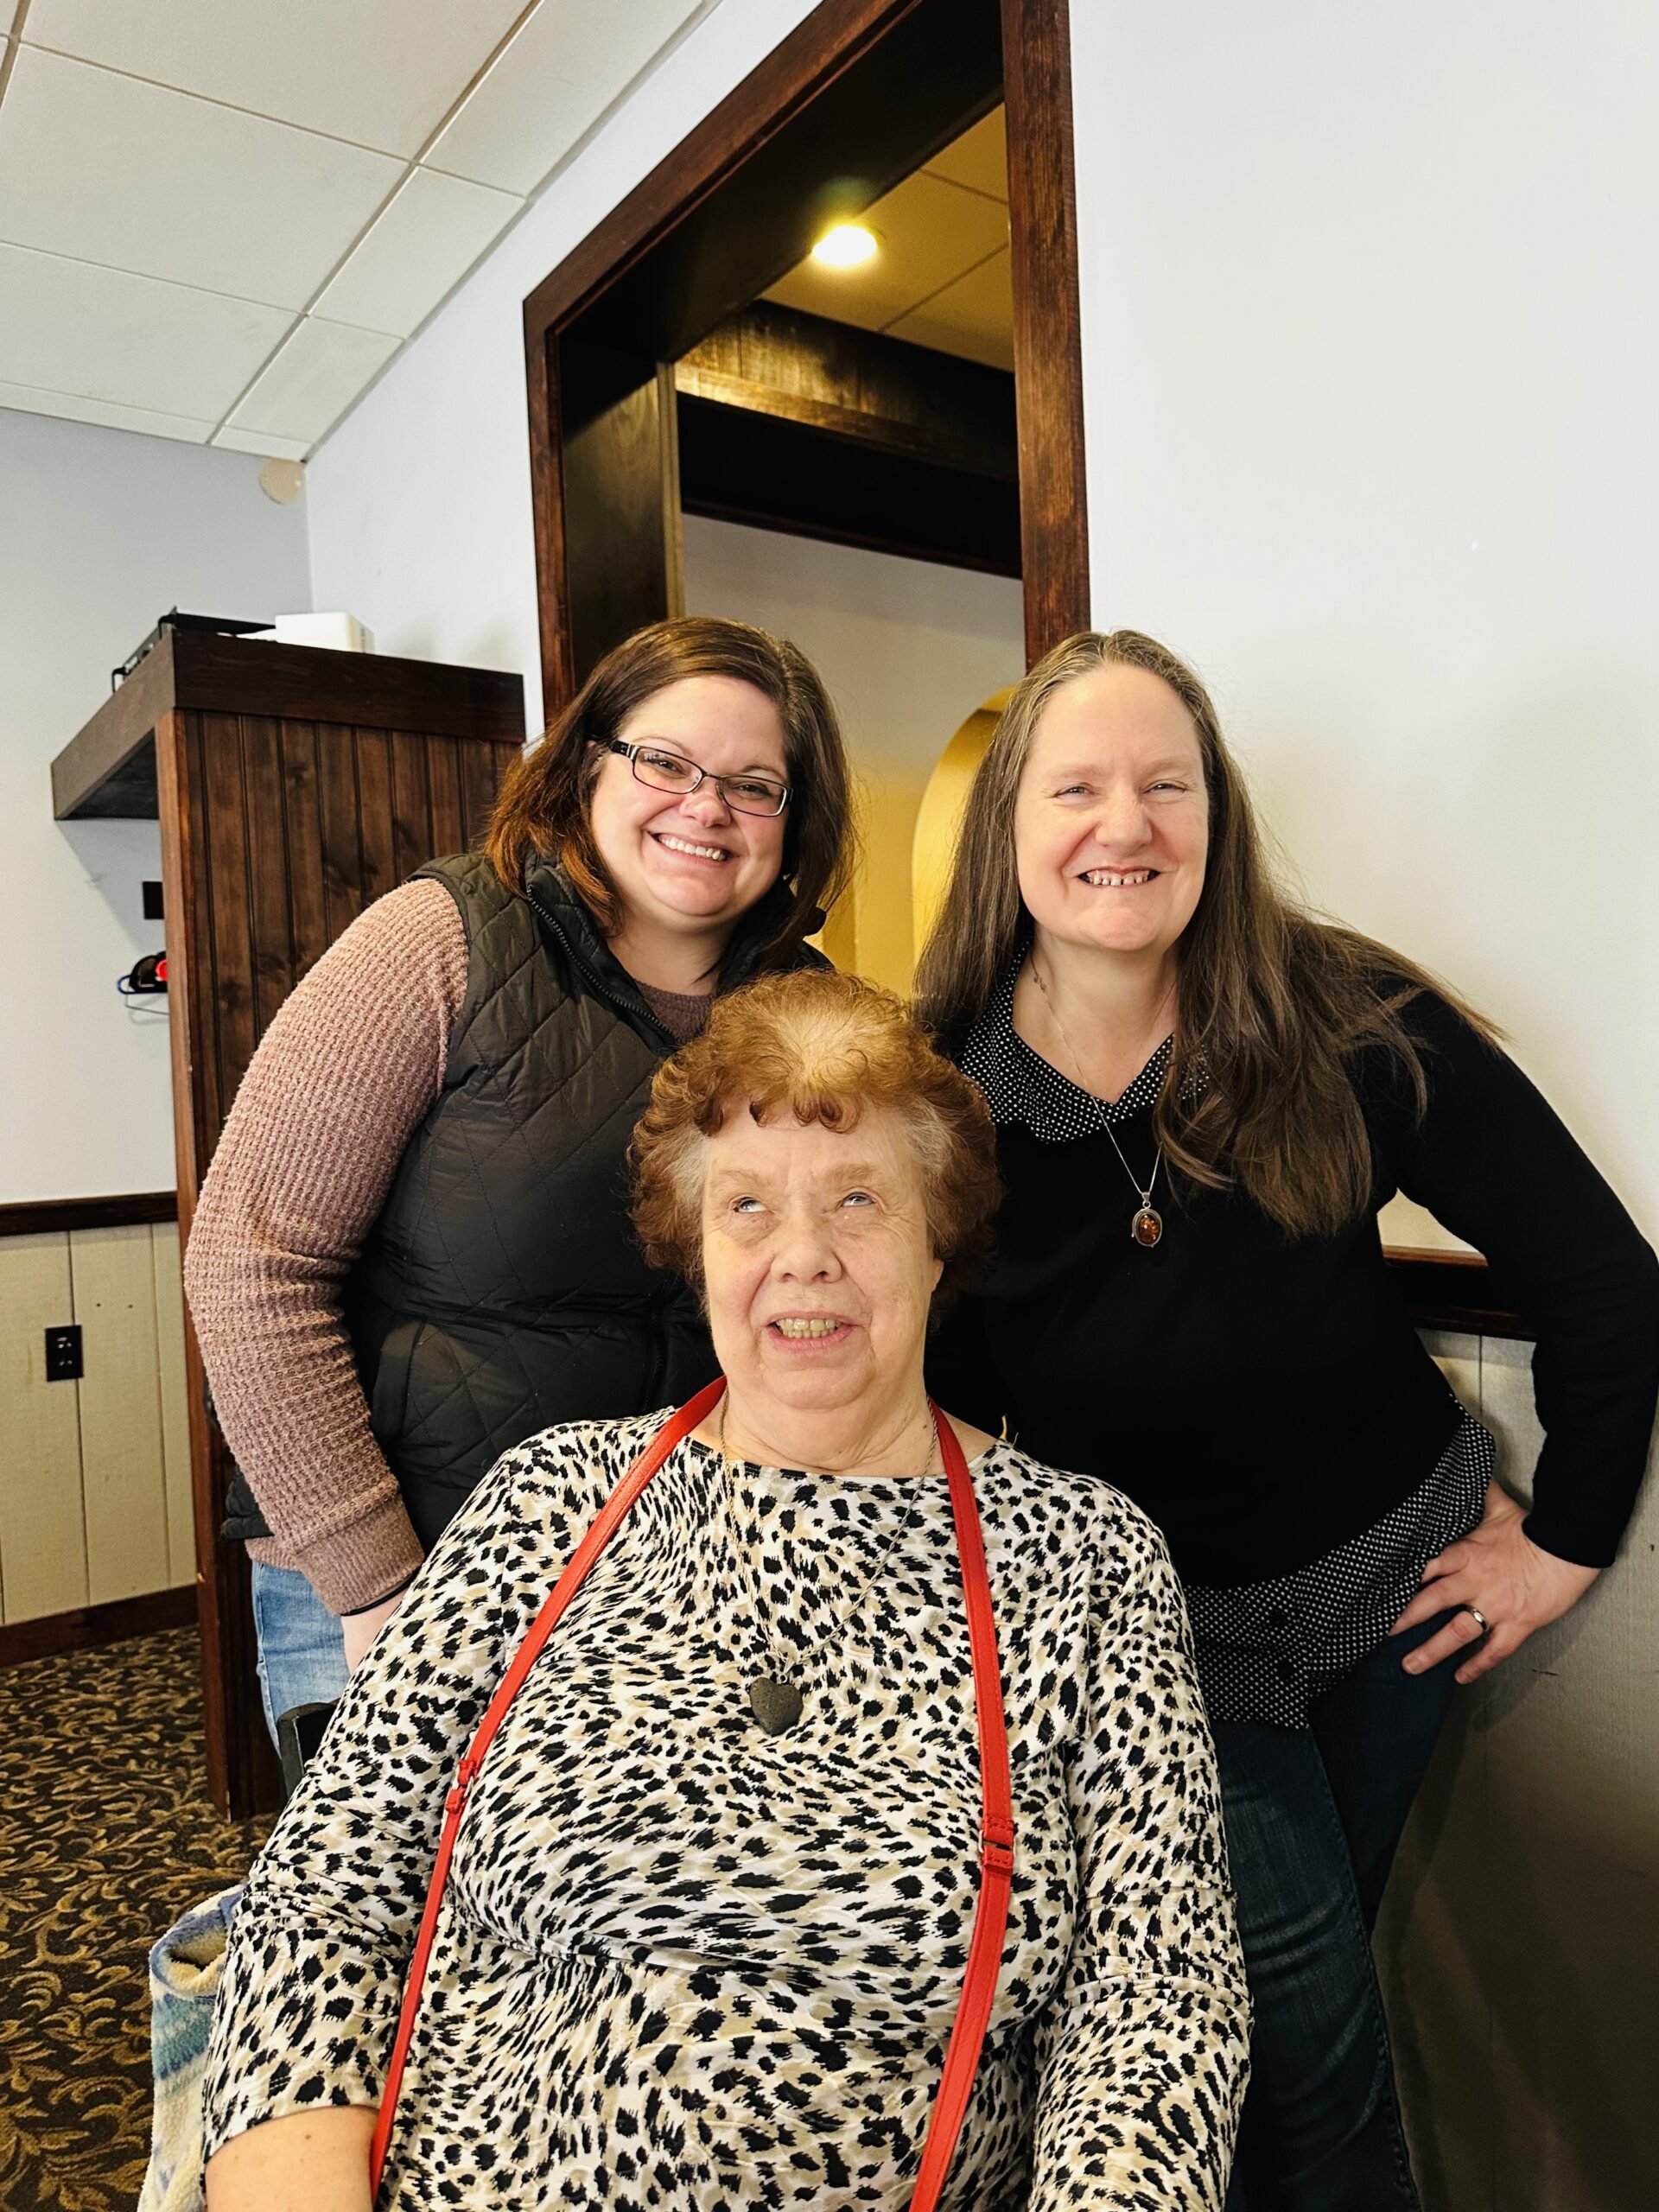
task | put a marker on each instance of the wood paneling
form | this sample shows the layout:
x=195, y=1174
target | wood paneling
x=122, y=1466
x=791, y=423
x=42, y=1527
x=905, y=399
x=277, y=828
x=779, y=475
x=295, y=828
x=1047, y=333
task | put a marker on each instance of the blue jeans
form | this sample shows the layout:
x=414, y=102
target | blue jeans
x=1313, y=1818
x=302, y=1652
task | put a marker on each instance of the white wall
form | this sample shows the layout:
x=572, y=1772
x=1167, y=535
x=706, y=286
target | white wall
x=1370, y=348
x=100, y=532
x=1370, y=354
x=908, y=651
x=420, y=512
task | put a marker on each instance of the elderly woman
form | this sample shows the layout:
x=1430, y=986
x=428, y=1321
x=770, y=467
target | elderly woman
x=708, y=1918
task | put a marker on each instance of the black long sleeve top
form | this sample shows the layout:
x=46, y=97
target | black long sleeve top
x=1266, y=1398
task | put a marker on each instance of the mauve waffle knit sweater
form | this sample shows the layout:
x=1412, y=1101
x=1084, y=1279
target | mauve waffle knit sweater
x=343, y=1077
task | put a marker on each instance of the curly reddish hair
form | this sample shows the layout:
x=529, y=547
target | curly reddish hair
x=822, y=1047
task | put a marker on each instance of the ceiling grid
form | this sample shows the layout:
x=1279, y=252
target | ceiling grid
x=220, y=222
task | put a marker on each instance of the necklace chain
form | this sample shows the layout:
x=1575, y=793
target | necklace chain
x=1148, y=1225
x=746, y=1566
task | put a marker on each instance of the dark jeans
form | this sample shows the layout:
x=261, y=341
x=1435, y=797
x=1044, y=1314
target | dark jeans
x=1313, y=1818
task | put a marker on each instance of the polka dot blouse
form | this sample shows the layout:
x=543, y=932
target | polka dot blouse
x=1267, y=1647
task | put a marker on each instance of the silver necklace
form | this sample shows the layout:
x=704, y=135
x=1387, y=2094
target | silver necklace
x=775, y=1703
x=1146, y=1223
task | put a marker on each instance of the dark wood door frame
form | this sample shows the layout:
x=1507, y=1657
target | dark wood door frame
x=855, y=98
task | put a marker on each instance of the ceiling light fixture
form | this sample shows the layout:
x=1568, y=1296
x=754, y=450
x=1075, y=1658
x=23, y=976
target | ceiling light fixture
x=847, y=246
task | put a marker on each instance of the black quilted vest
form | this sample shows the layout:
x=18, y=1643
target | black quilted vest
x=502, y=1288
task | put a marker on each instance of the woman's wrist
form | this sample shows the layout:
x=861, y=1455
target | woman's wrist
x=374, y=1604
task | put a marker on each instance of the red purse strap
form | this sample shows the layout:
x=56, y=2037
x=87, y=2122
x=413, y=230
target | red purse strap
x=996, y=1823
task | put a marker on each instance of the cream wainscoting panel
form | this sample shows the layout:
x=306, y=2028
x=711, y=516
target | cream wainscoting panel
x=1458, y=1358
x=176, y=1417
x=121, y=1458
x=42, y=1529
x=1521, y=1927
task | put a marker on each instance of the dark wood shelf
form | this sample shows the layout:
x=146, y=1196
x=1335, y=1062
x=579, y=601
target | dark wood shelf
x=108, y=769
x=292, y=786
x=1456, y=1291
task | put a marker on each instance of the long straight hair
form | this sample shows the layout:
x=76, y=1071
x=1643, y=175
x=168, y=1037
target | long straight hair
x=1273, y=1005
x=544, y=803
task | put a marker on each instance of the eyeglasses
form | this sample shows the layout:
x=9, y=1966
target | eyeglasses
x=667, y=772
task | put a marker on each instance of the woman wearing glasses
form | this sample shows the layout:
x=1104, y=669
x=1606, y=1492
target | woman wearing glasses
x=413, y=1249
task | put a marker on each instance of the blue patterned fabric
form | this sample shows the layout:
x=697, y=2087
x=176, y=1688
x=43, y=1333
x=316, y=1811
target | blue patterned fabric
x=184, y=1971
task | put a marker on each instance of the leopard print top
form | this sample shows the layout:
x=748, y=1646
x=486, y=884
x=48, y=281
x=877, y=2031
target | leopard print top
x=685, y=1963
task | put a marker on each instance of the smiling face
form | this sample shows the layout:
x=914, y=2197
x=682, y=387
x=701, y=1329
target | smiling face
x=691, y=863
x=817, y=1265
x=1111, y=822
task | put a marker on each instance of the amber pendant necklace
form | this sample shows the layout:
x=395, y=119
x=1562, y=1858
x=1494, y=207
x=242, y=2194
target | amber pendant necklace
x=776, y=1703
x=1146, y=1223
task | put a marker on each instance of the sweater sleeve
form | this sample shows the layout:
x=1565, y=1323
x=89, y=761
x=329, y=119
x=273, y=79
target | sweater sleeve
x=1143, y=2057
x=340, y=1080
x=1496, y=1165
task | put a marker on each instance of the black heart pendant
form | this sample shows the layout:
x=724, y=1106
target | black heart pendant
x=776, y=1705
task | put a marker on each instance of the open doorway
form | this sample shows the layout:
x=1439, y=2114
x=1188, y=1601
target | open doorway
x=695, y=379
x=848, y=478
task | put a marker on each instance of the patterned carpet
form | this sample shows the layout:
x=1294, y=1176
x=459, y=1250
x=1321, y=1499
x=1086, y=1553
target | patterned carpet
x=105, y=1835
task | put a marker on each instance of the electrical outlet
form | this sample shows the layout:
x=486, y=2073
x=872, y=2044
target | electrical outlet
x=63, y=1361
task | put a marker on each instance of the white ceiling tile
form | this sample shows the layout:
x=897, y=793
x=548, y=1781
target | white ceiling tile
x=263, y=442
x=103, y=334
x=32, y=401
x=974, y=316
x=315, y=378
x=101, y=167
x=416, y=250
x=383, y=72
x=559, y=74
x=931, y=232
x=979, y=159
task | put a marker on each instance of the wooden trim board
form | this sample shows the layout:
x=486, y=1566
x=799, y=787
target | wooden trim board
x=30, y=1216
x=88, y=1626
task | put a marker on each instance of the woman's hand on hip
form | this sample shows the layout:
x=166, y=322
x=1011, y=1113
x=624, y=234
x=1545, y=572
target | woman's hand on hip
x=1498, y=1569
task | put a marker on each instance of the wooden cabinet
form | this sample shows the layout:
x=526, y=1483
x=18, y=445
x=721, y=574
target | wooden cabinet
x=293, y=785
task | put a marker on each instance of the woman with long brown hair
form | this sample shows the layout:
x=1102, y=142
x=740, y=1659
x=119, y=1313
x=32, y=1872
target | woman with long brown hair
x=1204, y=1094
x=413, y=1247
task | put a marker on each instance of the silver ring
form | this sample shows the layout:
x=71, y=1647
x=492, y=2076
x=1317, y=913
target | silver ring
x=1486, y=1625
